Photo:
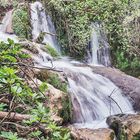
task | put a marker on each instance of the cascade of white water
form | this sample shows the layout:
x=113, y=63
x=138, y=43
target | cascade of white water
x=42, y=23
x=3, y=28
x=92, y=95
x=95, y=47
x=100, y=47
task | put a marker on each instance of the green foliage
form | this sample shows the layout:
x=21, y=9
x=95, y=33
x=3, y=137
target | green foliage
x=66, y=112
x=51, y=51
x=6, y=3
x=73, y=19
x=21, y=22
x=10, y=52
x=18, y=91
x=40, y=38
x=130, y=65
x=2, y=106
x=10, y=136
x=71, y=25
x=136, y=137
x=54, y=80
x=59, y=135
x=122, y=135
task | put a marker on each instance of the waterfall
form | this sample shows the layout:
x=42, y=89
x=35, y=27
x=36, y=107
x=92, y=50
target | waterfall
x=100, y=49
x=6, y=28
x=90, y=94
x=93, y=96
x=42, y=23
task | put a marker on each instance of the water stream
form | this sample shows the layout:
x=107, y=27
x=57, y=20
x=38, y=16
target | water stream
x=100, y=52
x=41, y=23
x=7, y=23
x=93, y=96
x=89, y=91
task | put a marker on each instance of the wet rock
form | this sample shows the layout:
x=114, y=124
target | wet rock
x=57, y=79
x=126, y=127
x=30, y=46
x=58, y=120
x=9, y=28
x=129, y=85
x=89, y=134
x=59, y=104
x=57, y=101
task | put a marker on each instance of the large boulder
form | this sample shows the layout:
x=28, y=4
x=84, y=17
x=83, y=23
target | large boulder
x=129, y=85
x=126, y=127
x=90, y=134
x=59, y=104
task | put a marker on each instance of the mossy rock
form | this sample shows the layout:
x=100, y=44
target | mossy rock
x=66, y=112
x=126, y=127
x=59, y=82
x=51, y=51
x=136, y=137
x=54, y=79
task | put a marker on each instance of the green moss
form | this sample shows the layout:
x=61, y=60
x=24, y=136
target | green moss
x=40, y=38
x=136, y=137
x=21, y=22
x=51, y=51
x=112, y=136
x=54, y=80
x=66, y=112
x=122, y=134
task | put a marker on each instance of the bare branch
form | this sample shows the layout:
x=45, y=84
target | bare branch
x=25, y=65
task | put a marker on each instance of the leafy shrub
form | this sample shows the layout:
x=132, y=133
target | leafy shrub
x=19, y=92
x=10, y=135
x=21, y=22
x=6, y=3
x=73, y=19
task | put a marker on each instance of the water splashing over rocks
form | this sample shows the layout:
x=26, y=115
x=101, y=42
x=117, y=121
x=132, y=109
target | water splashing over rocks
x=92, y=95
x=42, y=23
x=6, y=28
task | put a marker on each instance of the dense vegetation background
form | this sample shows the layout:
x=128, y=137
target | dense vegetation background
x=120, y=19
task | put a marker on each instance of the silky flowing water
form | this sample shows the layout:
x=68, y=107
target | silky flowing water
x=6, y=22
x=93, y=96
x=99, y=47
